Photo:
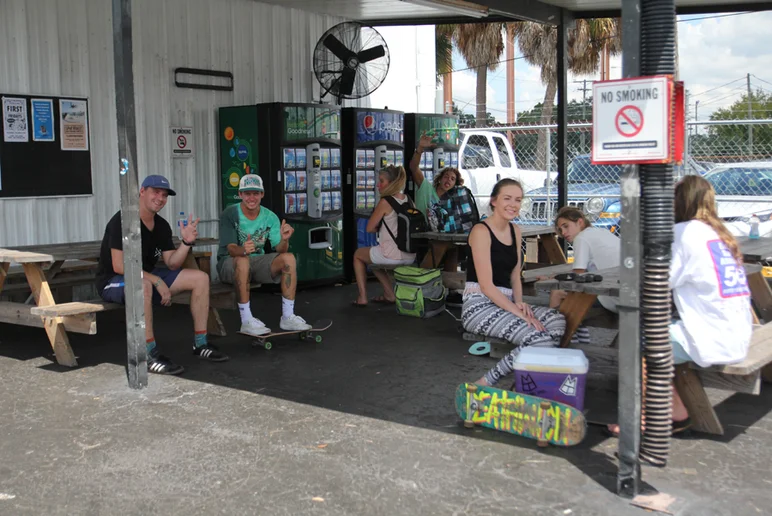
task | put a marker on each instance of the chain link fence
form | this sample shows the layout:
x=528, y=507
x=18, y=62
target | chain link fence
x=734, y=155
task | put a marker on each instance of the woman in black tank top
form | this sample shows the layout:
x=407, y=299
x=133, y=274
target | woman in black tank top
x=493, y=297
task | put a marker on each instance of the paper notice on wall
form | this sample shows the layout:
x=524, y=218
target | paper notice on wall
x=42, y=120
x=15, y=123
x=73, y=124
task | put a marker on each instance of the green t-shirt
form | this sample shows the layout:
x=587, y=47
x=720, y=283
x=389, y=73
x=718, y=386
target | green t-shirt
x=425, y=196
x=235, y=227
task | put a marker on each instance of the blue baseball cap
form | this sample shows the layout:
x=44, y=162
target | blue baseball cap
x=156, y=181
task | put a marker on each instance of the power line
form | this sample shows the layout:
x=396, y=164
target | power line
x=718, y=87
x=716, y=16
x=762, y=80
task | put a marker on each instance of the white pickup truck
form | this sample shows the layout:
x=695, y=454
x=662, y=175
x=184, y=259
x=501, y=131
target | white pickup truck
x=484, y=158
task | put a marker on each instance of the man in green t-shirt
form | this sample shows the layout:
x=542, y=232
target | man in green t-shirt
x=428, y=193
x=241, y=259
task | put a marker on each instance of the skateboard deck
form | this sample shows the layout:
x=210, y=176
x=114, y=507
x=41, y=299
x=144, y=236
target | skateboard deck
x=316, y=328
x=546, y=421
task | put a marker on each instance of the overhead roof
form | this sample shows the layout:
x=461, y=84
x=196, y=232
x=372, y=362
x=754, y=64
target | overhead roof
x=417, y=12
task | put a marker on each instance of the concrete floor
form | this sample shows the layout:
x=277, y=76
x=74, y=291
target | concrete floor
x=362, y=423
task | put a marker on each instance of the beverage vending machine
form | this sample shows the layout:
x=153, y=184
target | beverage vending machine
x=372, y=139
x=296, y=149
x=445, y=139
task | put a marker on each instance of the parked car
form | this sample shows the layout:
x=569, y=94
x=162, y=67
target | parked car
x=742, y=190
x=591, y=188
x=484, y=158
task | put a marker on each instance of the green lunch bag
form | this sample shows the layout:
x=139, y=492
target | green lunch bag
x=419, y=292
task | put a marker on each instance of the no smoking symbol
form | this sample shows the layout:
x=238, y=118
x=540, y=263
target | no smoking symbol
x=181, y=142
x=629, y=121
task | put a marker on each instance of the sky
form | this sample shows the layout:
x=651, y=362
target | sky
x=716, y=52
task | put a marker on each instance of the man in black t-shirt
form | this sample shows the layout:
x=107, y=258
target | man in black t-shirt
x=160, y=283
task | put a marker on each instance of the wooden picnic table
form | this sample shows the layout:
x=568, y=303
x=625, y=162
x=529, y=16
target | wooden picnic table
x=34, y=259
x=440, y=242
x=755, y=250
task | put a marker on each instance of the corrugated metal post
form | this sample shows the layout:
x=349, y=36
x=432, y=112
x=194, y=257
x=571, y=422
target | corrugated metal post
x=127, y=151
x=629, y=403
x=566, y=20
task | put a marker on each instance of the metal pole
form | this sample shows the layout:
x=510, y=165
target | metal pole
x=548, y=213
x=629, y=403
x=562, y=70
x=128, y=179
x=750, y=117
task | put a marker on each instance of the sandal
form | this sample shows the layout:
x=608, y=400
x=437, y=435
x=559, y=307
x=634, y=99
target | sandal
x=382, y=300
x=359, y=305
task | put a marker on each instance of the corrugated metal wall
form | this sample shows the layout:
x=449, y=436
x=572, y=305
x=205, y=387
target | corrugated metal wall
x=65, y=48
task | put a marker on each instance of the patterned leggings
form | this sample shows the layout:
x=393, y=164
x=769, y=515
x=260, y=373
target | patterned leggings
x=482, y=316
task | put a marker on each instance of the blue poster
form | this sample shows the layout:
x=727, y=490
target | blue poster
x=42, y=120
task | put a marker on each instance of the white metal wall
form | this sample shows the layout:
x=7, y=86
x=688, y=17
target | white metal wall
x=65, y=48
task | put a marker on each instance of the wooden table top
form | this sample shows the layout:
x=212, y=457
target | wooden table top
x=526, y=231
x=70, y=251
x=757, y=249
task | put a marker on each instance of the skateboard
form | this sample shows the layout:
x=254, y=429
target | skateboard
x=316, y=328
x=546, y=421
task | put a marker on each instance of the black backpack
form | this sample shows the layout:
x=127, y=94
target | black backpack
x=409, y=221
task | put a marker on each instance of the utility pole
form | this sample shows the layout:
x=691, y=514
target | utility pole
x=584, y=89
x=696, y=116
x=750, y=117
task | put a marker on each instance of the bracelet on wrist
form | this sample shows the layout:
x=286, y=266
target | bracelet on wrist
x=189, y=244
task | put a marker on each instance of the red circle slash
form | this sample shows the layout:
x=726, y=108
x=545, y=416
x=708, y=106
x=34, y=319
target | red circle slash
x=181, y=142
x=629, y=121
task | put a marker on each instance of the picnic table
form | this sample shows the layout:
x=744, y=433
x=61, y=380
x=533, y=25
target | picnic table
x=51, y=315
x=439, y=243
x=755, y=250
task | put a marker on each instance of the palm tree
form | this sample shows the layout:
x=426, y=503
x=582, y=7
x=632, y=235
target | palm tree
x=443, y=59
x=481, y=46
x=538, y=44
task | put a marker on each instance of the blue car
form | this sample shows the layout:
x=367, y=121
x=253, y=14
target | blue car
x=593, y=189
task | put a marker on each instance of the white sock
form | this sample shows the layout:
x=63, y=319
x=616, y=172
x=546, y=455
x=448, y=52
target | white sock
x=245, y=312
x=287, y=307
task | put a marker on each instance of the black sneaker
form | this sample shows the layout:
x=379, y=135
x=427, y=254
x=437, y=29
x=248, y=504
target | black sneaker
x=210, y=352
x=160, y=364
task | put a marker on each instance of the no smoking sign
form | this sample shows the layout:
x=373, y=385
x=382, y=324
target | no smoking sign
x=631, y=120
x=182, y=142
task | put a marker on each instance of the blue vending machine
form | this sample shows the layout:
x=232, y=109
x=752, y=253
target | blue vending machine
x=372, y=139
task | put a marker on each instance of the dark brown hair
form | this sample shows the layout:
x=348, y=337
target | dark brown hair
x=501, y=184
x=695, y=199
x=573, y=214
x=448, y=170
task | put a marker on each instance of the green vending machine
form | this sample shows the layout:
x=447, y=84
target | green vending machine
x=296, y=149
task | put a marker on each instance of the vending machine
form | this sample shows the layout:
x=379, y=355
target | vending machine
x=444, y=132
x=296, y=149
x=372, y=139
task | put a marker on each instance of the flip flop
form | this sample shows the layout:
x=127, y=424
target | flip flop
x=588, y=278
x=359, y=305
x=566, y=276
x=382, y=300
x=480, y=348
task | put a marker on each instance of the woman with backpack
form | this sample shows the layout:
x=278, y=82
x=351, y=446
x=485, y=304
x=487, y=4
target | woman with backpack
x=391, y=183
x=493, y=296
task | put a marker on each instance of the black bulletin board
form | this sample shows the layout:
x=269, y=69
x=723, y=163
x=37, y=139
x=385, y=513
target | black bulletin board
x=43, y=168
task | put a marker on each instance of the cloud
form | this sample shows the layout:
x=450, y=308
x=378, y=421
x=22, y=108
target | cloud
x=465, y=91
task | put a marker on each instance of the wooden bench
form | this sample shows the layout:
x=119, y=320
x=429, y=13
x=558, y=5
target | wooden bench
x=745, y=377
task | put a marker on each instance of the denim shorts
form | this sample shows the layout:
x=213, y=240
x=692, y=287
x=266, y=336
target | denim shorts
x=680, y=356
x=115, y=291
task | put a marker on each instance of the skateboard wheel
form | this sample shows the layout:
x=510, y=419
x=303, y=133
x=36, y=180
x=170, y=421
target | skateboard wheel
x=542, y=444
x=267, y=345
x=468, y=423
x=545, y=405
x=471, y=388
x=302, y=336
x=318, y=338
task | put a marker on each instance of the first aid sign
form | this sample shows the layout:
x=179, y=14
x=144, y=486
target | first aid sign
x=631, y=120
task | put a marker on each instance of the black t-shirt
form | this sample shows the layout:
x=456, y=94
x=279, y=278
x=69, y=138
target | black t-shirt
x=154, y=243
x=503, y=260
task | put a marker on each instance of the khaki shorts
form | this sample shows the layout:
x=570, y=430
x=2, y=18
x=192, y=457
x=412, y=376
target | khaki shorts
x=259, y=269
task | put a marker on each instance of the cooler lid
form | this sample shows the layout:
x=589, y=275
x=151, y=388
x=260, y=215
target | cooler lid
x=555, y=359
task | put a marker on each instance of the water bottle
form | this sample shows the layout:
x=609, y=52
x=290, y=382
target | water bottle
x=181, y=221
x=754, y=222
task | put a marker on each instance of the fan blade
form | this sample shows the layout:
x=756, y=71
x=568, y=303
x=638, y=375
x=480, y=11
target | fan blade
x=338, y=48
x=371, y=53
x=347, y=82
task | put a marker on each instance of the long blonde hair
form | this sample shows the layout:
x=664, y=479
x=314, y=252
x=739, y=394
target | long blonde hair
x=695, y=199
x=397, y=179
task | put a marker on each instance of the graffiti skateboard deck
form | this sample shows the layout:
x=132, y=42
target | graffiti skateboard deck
x=546, y=421
x=316, y=328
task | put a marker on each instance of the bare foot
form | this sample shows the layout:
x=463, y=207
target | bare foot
x=360, y=302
